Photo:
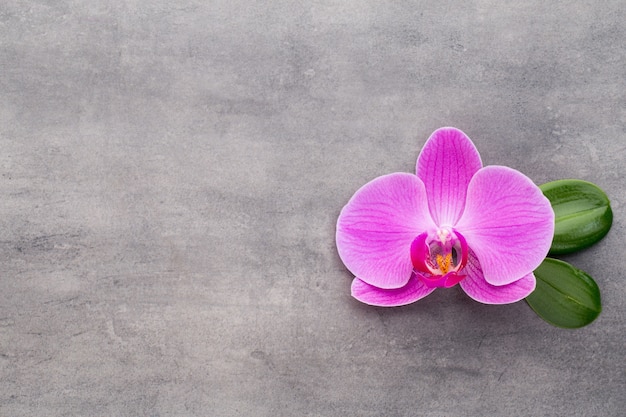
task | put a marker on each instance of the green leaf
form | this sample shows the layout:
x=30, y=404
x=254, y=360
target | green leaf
x=583, y=214
x=565, y=296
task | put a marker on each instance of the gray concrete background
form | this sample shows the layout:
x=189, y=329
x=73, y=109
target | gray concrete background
x=171, y=174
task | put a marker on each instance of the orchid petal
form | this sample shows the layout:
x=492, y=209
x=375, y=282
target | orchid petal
x=375, y=229
x=411, y=292
x=507, y=222
x=480, y=290
x=446, y=165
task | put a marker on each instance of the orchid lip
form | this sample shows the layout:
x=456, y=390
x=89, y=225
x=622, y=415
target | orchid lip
x=442, y=281
x=438, y=257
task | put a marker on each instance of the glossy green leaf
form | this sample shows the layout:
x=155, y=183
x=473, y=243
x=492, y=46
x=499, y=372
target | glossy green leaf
x=565, y=296
x=583, y=214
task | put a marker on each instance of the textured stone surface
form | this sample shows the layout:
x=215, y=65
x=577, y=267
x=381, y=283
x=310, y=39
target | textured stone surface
x=171, y=173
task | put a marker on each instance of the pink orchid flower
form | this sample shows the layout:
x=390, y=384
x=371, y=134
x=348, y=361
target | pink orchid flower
x=455, y=222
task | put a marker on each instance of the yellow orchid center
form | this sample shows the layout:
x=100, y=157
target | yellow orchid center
x=439, y=257
x=444, y=262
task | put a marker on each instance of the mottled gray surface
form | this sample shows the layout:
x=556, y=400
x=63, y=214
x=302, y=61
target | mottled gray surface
x=171, y=174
